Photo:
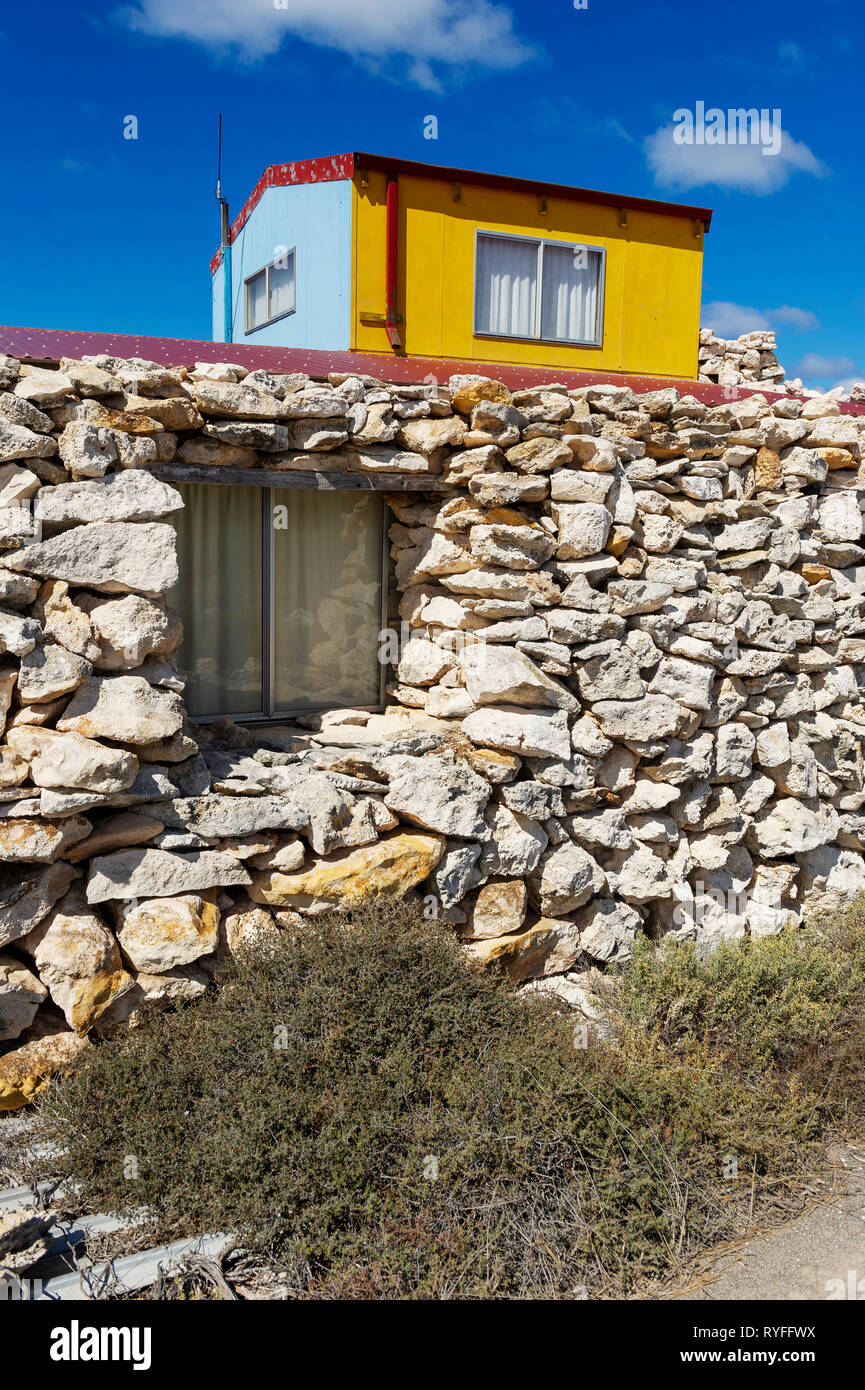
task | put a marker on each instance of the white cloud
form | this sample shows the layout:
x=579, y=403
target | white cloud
x=744, y=167
x=448, y=33
x=815, y=367
x=792, y=56
x=801, y=319
x=614, y=127
x=729, y=319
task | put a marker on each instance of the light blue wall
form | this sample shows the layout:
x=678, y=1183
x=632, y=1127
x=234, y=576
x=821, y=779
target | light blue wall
x=217, y=295
x=316, y=220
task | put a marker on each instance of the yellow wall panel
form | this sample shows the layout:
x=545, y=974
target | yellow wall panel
x=652, y=290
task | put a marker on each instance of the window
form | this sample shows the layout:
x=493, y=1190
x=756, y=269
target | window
x=552, y=291
x=280, y=593
x=270, y=292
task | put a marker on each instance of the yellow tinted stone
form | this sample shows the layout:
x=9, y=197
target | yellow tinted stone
x=391, y=866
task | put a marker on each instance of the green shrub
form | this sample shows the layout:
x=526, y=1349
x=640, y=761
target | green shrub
x=762, y=1000
x=386, y=1122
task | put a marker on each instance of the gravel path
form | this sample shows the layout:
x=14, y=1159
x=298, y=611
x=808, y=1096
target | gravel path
x=820, y=1255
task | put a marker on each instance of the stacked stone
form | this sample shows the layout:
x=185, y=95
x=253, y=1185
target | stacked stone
x=733, y=361
x=752, y=357
x=627, y=695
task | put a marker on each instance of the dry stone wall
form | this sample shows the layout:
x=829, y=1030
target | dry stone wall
x=753, y=357
x=628, y=657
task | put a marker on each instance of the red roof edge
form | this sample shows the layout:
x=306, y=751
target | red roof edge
x=49, y=345
x=342, y=166
x=327, y=169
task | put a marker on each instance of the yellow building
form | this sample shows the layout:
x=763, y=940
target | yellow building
x=388, y=256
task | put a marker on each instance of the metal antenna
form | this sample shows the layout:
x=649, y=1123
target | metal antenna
x=225, y=225
x=219, y=161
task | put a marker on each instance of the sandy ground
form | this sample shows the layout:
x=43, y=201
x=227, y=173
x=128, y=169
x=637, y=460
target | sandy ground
x=817, y=1257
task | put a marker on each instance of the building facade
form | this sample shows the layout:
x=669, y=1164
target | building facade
x=365, y=253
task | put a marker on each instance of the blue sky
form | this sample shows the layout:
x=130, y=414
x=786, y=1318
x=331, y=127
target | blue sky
x=105, y=233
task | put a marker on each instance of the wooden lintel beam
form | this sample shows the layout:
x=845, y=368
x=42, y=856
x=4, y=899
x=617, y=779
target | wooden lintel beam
x=318, y=481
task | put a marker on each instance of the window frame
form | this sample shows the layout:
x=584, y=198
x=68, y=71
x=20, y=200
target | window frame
x=540, y=243
x=268, y=714
x=249, y=328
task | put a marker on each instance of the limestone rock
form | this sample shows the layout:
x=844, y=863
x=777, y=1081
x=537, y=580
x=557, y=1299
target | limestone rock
x=217, y=816
x=539, y=734
x=120, y=831
x=157, y=873
x=538, y=455
x=832, y=879
x=27, y=1070
x=423, y=662
x=27, y=895
x=134, y=495
x=688, y=682
x=112, y=557
x=788, y=827
x=456, y=873
x=547, y=948
x=469, y=390
x=614, y=675
x=533, y=799
x=87, y=450
x=840, y=517
x=245, y=925
x=637, y=875
x=69, y=760
x=162, y=933
x=499, y=907
x=734, y=748
x=514, y=843
x=438, y=792
x=583, y=528
x=18, y=635
x=40, y=842
x=19, y=442
x=496, y=674
x=344, y=880
x=45, y=387
x=130, y=629
x=21, y=993
x=607, y=930
x=652, y=717
x=48, y=671
x=508, y=489
x=512, y=546
x=565, y=879
x=26, y=1236
x=425, y=436
x=78, y=959
x=65, y=622
x=126, y=708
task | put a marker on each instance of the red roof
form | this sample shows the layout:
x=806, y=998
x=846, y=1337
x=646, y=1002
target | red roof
x=50, y=344
x=343, y=166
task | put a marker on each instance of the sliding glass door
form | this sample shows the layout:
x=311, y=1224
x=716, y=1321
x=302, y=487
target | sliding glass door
x=280, y=593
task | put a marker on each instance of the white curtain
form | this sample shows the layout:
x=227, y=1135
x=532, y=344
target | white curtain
x=506, y=286
x=256, y=301
x=571, y=287
x=325, y=596
x=327, y=599
x=218, y=596
x=282, y=287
